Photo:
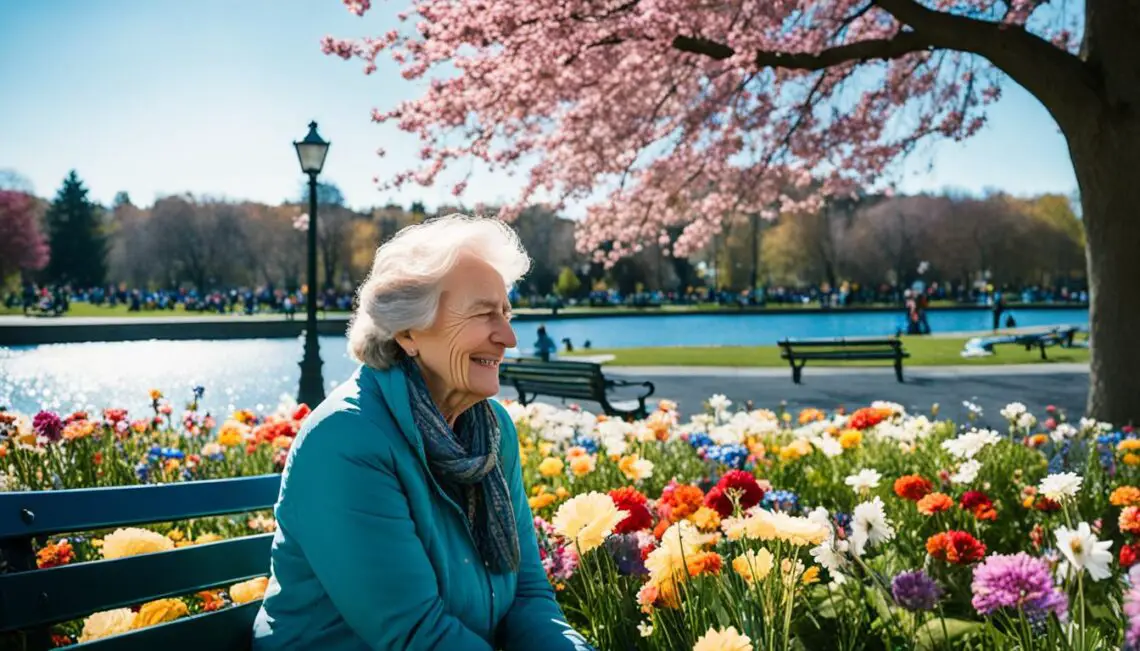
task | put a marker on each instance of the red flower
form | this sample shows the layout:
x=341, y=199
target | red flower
x=913, y=487
x=867, y=417
x=956, y=547
x=735, y=483
x=1129, y=554
x=971, y=500
x=301, y=411
x=1047, y=505
x=112, y=415
x=58, y=640
x=633, y=503
x=79, y=415
x=55, y=554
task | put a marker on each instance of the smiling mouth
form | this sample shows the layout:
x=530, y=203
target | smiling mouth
x=488, y=362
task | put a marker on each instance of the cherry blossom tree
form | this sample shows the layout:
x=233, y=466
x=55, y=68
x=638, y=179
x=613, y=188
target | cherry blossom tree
x=23, y=246
x=687, y=112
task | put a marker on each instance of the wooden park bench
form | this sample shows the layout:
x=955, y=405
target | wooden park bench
x=1064, y=337
x=32, y=599
x=799, y=351
x=574, y=380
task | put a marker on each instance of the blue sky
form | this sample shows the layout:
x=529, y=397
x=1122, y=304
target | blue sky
x=206, y=96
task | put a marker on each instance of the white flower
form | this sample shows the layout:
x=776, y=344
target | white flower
x=969, y=444
x=828, y=445
x=1013, y=411
x=1063, y=431
x=975, y=410
x=967, y=472
x=1083, y=551
x=869, y=525
x=864, y=480
x=615, y=445
x=894, y=407
x=831, y=554
x=726, y=434
x=645, y=629
x=1061, y=486
x=719, y=403
x=1025, y=421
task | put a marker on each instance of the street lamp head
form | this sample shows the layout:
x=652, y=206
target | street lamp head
x=312, y=151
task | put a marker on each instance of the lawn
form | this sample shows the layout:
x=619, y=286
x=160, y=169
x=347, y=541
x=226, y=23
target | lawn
x=924, y=351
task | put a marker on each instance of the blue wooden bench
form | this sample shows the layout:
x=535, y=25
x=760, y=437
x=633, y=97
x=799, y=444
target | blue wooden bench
x=31, y=599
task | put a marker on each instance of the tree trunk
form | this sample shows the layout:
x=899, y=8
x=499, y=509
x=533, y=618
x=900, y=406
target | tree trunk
x=1106, y=157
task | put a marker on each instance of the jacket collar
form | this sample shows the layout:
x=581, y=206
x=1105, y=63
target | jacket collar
x=390, y=387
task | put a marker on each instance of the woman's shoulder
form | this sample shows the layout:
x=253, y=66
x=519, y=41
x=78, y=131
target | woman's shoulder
x=352, y=420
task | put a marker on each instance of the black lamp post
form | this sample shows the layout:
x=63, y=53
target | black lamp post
x=311, y=153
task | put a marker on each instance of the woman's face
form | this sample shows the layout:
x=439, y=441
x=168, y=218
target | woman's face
x=461, y=351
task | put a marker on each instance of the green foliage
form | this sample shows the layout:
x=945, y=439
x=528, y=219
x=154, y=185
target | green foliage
x=77, y=235
x=568, y=283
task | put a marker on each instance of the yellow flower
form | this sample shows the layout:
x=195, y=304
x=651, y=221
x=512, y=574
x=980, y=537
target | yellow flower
x=1128, y=445
x=551, y=467
x=811, y=575
x=753, y=565
x=680, y=542
x=794, y=450
x=587, y=519
x=1131, y=459
x=706, y=519
x=576, y=451
x=170, y=466
x=562, y=493
x=542, y=501
x=133, y=541
x=107, y=623
x=283, y=442
x=766, y=525
x=232, y=433
x=157, y=612
x=248, y=591
x=727, y=639
x=582, y=465
x=635, y=468
x=155, y=394
x=545, y=447
x=793, y=570
x=207, y=538
x=175, y=535
x=850, y=438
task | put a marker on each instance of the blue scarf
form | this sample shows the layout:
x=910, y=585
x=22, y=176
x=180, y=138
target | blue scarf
x=466, y=463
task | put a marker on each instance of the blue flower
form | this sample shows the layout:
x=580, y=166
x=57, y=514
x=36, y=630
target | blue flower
x=589, y=444
x=781, y=500
x=732, y=455
x=143, y=471
x=700, y=441
x=626, y=554
x=157, y=453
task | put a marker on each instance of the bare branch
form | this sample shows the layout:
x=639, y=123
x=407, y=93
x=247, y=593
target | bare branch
x=902, y=44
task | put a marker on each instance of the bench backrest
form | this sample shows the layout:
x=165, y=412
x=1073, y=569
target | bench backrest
x=562, y=378
x=32, y=599
x=843, y=342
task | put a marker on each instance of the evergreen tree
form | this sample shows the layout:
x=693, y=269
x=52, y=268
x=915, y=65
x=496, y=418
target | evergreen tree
x=78, y=242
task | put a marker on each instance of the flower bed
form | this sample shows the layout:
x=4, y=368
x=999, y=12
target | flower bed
x=733, y=529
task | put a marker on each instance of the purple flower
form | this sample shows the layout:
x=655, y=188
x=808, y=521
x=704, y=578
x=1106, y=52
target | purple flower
x=915, y=591
x=1017, y=581
x=1132, y=611
x=49, y=425
x=626, y=552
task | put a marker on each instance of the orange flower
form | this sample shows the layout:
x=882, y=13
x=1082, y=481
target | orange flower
x=211, y=600
x=810, y=414
x=55, y=554
x=935, y=503
x=913, y=487
x=705, y=563
x=868, y=417
x=1130, y=519
x=1125, y=496
x=1037, y=440
x=686, y=500
x=956, y=547
x=850, y=438
x=78, y=429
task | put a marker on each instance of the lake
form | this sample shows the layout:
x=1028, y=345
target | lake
x=256, y=373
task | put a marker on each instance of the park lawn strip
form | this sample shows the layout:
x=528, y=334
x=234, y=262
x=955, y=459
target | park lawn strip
x=924, y=351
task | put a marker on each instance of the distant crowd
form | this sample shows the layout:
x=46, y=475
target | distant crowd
x=36, y=299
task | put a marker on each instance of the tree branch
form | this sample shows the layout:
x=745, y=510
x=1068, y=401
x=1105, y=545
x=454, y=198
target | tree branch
x=902, y=44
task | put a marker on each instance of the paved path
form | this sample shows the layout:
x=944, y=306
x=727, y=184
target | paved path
x=1038, y=385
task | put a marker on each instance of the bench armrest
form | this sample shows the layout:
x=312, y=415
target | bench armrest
x=632, y=383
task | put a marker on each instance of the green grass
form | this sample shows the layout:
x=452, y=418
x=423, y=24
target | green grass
x=924, y=351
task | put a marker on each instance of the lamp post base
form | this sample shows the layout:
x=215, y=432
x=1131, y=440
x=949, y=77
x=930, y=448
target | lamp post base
x=312, y=389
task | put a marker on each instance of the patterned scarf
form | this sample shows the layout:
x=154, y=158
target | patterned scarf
x=466, y=463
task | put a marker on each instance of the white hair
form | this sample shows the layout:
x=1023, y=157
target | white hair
x=402, y=291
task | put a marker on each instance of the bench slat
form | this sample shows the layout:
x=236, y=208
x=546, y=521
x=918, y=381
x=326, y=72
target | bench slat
x=29, y=599
x=231, y=628
x=839, y=354
x=841, y=342
x=101, y=508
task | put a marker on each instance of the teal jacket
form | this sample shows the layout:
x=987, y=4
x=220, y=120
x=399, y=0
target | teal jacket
x=370, y=552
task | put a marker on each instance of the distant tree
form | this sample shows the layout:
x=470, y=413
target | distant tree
x=328, y=194
x=418, y=208
x=121, y=199
x=23, y=246
x=568, y=283
x=78, y=240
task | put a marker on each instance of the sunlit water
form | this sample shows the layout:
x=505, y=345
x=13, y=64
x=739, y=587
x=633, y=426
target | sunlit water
x=257, y=373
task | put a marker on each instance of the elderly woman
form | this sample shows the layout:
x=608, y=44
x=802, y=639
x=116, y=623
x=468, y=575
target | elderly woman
x=402, y=520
